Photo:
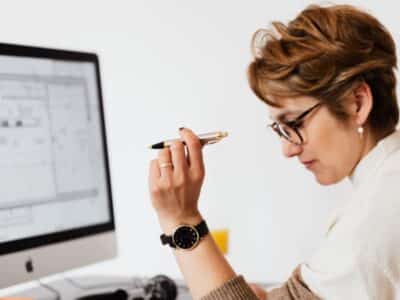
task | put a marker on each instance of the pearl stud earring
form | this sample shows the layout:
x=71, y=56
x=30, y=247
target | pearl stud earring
x=360, y=130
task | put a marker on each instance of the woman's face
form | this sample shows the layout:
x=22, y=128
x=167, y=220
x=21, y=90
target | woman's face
x=332, y=147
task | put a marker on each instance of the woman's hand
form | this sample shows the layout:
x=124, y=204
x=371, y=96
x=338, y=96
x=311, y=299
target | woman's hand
x=259, y=291
x=175, y=181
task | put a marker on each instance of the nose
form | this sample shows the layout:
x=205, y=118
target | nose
x=289, y=149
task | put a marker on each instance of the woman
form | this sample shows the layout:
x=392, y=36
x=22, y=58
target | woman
x=328, y=81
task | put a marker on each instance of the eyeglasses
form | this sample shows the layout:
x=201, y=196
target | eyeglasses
x=290, y=130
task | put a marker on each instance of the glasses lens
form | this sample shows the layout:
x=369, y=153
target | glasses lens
x=288, y=133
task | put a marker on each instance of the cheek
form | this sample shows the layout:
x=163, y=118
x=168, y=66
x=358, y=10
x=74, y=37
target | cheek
x=323, y=136
x=332, y=145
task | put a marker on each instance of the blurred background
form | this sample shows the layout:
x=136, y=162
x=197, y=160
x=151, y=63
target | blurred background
x=167, y=64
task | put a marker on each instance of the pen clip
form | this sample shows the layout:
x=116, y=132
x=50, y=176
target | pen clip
x=211, y=141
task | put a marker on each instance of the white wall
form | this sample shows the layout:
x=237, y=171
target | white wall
x=167, y=64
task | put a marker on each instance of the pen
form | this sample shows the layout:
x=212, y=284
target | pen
x=205, y=139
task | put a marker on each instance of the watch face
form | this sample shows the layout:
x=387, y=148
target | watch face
x=186, y=237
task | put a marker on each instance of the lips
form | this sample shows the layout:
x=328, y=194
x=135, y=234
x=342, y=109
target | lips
x=308, y=163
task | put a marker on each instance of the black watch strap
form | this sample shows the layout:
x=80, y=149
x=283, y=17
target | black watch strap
x=167, y=240
x=201, y=228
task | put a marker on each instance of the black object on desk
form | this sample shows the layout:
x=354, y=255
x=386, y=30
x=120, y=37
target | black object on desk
x=159, y=287
x=116, y=295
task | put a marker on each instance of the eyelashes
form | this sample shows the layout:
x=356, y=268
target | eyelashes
x=295, y=124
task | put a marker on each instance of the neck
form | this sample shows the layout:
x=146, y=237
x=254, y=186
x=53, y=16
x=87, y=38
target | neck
x=368, y=142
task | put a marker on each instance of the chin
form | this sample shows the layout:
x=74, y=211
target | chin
x=327, y=180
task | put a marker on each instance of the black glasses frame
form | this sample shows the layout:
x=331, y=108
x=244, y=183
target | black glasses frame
x=294, y=124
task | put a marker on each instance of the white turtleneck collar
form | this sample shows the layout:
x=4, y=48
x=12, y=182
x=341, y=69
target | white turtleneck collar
x=368, y=164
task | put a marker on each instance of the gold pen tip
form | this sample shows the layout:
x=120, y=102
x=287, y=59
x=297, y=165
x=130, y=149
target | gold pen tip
x=223, y=134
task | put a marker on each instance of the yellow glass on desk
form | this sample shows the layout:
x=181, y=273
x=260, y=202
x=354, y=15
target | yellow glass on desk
x=221, y=238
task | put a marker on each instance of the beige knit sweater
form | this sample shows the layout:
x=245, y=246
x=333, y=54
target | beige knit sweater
x=237, y=288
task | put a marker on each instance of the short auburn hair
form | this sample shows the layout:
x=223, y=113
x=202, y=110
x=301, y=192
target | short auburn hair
x=324, y=53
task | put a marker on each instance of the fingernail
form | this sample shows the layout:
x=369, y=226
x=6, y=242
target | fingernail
x=180, y=128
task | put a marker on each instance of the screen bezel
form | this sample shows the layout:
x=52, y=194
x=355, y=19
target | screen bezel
x=67, y=235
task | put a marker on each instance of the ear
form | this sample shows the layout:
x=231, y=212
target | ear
x=363, y=101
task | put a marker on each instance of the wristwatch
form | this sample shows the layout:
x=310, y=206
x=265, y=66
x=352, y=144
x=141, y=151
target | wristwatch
x=185, y=236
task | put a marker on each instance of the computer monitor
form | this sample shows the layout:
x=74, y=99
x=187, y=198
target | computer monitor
x=55, y=194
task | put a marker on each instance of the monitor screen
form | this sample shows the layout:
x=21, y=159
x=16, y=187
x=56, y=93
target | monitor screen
x=54, y=173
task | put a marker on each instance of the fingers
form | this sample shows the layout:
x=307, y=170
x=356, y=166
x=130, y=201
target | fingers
x=154, y=175
x=154, y=170
x=195, y=155
x=179, y=158
x=174, y=162
x=165, y=163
